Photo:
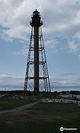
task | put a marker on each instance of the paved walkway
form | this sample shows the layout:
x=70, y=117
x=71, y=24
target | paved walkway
x=19, y=108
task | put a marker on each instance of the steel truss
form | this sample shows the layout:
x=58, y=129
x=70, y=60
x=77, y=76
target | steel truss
x=44, y=82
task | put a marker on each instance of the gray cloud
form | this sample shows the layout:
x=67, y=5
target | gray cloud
x=65, y=82
x=61, y=18
x=68, y=74
x=11, y=81
x=14, y=82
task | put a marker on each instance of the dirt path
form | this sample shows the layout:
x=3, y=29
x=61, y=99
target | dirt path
x=19, y=108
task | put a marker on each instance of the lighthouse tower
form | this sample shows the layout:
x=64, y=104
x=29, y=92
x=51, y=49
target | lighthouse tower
x=37, y=77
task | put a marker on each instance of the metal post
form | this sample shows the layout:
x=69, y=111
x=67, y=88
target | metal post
x=36, y=60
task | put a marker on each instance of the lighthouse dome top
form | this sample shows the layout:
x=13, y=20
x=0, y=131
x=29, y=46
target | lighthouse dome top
x=36, y=12
x=36, y=19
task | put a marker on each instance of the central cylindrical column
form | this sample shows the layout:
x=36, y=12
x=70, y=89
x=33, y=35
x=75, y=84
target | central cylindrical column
x=36, y=60
x=36, y=23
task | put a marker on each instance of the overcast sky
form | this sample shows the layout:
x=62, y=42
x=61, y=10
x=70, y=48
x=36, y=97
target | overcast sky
x=61, y=31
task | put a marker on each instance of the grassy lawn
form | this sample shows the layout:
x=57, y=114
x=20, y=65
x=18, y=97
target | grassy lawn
x=42, y=118
x=9, y=103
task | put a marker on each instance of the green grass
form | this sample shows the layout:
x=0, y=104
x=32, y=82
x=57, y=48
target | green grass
x=42, y=118
x=9, y=103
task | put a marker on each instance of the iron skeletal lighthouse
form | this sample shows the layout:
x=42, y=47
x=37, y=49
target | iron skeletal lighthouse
x=37, y=77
